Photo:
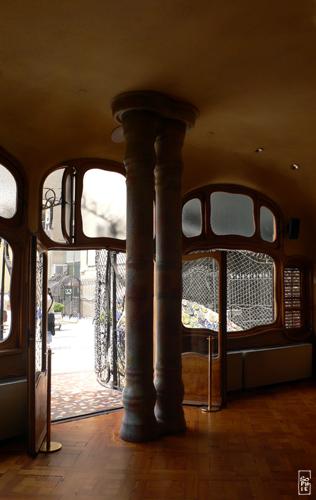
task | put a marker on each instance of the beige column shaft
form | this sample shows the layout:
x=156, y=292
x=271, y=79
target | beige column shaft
x=140, y=129
x=168, y=377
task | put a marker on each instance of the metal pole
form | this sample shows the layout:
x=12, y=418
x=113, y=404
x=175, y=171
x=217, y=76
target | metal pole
x=49, y=446
x=209, y=408
x=222, y=334
x=49, y=400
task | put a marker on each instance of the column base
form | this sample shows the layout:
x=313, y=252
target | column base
x=170, y=423
x=139, y=433
x=139, y=422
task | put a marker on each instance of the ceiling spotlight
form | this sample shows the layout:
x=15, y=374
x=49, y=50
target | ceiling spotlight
x=117, y=135
x=295, y=166
x=259, y=150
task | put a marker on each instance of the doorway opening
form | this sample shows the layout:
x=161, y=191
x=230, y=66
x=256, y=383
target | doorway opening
x=86, y=331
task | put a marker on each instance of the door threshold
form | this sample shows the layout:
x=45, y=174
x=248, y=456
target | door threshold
x=86, y=415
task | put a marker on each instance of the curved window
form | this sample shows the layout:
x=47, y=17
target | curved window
x=8, y=198
x=192, y=218
x=103, y=204
x=267, y=225
x=6, y=259
x=232, y=214
x=228, y=211
x=52, y=206
x=85, y=199
x=263, y=291
x=249, y=291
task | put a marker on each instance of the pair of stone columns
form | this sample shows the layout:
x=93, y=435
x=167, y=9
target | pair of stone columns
x=154, y=127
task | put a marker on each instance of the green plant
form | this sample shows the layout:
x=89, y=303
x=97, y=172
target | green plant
x=58, y=307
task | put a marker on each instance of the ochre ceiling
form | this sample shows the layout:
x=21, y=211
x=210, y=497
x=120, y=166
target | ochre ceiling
x=248, y=66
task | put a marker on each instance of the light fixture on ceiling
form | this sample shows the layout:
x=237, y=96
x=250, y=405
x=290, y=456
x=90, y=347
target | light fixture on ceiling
x=259, y=150
x=295, y=166
x=117, y=135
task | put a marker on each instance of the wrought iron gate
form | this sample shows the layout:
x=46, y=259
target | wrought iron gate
x=109, y=321
x=66, y=290
x=250, y=291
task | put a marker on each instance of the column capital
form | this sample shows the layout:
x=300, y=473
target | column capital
x=161, y=104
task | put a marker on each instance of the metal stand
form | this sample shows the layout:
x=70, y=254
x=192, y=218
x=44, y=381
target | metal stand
x=49, y=446
x=210, y=408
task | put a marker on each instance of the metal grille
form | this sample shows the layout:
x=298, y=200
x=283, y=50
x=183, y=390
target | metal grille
x=39, y=313
x=292, y=297
x=250, y=289
x=110, y=318
x=200, y=293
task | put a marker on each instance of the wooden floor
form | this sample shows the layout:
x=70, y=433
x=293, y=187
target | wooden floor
x=252, y=449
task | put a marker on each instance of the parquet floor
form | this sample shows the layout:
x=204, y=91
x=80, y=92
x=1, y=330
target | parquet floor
x=251, y=450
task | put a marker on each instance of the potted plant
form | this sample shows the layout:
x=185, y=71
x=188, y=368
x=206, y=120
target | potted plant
x=58, y=310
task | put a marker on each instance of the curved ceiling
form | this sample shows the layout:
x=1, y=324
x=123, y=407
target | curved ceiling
x=249, y=68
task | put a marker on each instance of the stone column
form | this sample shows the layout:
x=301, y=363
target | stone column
x=147, y=116
x=139, y=396
x=168, y=376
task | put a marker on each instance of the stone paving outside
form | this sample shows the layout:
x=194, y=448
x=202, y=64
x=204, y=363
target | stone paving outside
x=75, y=389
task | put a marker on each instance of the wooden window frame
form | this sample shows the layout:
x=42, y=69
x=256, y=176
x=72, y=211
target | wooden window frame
x=14, y=231
x=255, y=242
x=79, y=240
x=274, y=334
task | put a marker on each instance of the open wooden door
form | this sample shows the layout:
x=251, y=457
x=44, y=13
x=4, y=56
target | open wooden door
x=37, y=347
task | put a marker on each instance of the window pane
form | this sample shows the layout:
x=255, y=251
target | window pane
x=250, y=290
x=103, y=204
x=192, y=218
x=5, y=286
x=267, y=224
x=51, y=211
x=8, y=197
x=200, y=293
x=232, y=214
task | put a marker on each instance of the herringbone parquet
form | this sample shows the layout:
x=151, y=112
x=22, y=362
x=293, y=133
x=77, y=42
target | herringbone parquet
x=251, y=450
